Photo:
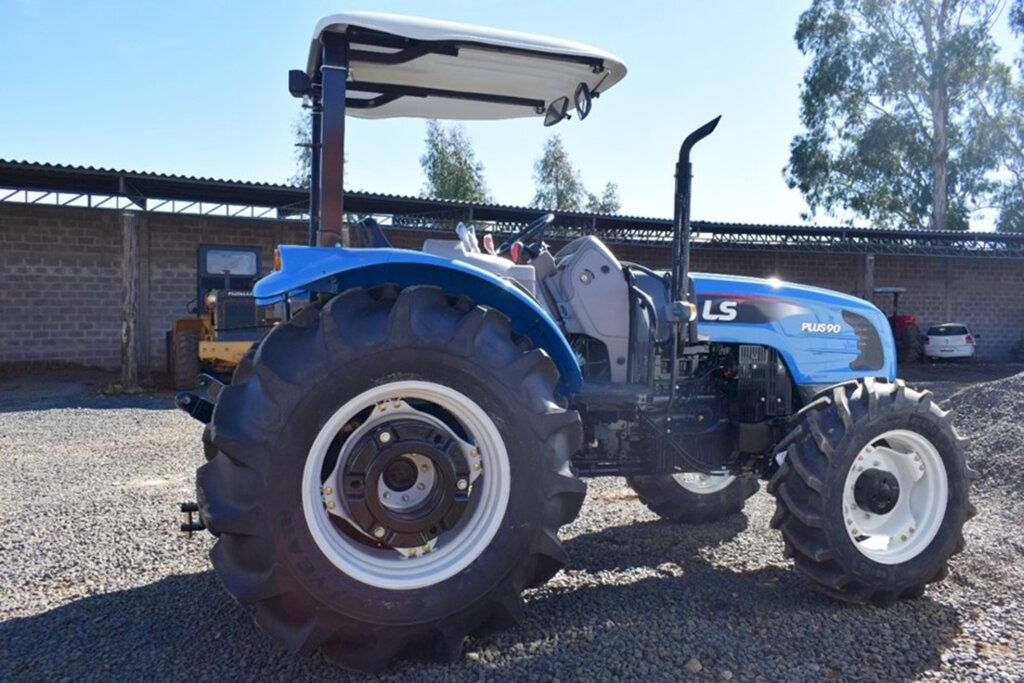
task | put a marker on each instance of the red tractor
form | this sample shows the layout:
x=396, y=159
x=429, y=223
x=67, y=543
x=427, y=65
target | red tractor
x=904, y=328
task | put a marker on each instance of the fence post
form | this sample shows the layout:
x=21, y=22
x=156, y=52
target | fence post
x=130, y=310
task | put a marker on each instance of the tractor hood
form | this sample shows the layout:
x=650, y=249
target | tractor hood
x=825, y=337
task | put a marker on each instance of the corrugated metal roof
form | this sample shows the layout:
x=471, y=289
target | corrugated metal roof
x=161, y=186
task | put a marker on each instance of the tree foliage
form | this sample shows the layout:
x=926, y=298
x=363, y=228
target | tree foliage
x=607, y=202
x=451, y=167
x=897, y=106
x=302, y=131
x=560, y=188
x=558, y=184
x=1011, y=193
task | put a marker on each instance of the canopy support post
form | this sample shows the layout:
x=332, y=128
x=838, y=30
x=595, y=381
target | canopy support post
x=315, y=113
x=329, y=182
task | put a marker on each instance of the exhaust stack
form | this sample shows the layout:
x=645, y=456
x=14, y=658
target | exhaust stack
x=681, y=223
x=681, y=311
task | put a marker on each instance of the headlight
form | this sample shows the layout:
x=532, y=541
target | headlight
x=211, y=301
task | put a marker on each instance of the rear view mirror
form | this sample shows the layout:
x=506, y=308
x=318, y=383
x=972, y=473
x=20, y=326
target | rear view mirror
x=556, y=111
x=583, y=100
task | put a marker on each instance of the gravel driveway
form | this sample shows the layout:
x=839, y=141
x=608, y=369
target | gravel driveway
x=96, y=583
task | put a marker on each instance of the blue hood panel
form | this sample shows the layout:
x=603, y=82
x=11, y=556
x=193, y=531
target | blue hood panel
x=825, y=337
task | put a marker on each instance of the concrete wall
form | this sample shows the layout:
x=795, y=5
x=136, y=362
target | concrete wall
x=60, y=280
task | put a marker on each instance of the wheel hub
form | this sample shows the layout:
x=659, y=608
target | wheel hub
x=400, y=475
x=405, y=482
x=876, y=491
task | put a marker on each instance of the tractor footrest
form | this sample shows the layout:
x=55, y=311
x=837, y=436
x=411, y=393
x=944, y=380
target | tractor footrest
x=199, y=407
x=195, y=405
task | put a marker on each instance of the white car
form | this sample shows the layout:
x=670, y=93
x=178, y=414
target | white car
x=949, y=340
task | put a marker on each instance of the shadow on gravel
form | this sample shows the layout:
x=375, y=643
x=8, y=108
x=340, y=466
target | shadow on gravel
x=73, y=389
x=140, y=402
x=655, y=616
x=766, y=622
x=181, y=627
x=648, y=544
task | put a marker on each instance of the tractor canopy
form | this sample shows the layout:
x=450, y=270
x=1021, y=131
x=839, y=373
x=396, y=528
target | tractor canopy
x=413, y=67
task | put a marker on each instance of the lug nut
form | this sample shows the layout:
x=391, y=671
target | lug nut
x=396, y=403
x=421, y=486
x=473, y=453
x=477, y=466
x=384, y=437
x=379, y=532
x=330, y=505
x=387, y=494
x=328, y=490
x=917, y=456
x=423, y=468
x=405, y=497
x=461, y=484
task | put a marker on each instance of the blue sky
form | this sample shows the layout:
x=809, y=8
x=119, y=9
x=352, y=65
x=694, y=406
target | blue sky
x=200, y=88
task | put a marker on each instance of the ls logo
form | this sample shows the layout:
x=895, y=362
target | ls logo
x=725, y=313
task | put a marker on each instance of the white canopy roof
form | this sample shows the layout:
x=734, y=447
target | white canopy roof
x=472, y=59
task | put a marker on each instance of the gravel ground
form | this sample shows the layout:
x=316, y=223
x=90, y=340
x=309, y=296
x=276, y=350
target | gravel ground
x=96, y=583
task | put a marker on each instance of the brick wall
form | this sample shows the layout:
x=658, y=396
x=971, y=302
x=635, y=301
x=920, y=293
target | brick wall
x=60, y=285
x=60, y=279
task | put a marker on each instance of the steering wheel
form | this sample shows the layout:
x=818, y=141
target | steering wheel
x=530, y=236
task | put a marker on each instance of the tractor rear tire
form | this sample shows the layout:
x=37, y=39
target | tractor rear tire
x=185, y=360
x=872, y=494
x=909, y=347
x=674, y=499
x=320, y=392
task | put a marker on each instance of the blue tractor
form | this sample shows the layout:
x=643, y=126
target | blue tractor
x=389, y=468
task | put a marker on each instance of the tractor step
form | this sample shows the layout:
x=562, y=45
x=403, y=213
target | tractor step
x=191, y=524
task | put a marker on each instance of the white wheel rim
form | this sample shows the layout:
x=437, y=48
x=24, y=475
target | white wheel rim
x=703, y=484
x=454, y=550
x=902, y=533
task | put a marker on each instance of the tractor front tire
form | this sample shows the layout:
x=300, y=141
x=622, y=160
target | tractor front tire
x=909, y=347
x=872, y=493
x=185, y=367
x=693, y=498
x=388, y=475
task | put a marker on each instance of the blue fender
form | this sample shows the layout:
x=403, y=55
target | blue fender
x=332, y=269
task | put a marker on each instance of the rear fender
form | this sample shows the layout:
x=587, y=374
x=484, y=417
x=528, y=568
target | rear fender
x=331, y=269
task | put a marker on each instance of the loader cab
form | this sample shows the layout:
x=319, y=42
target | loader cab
x=225, y=276
x=224, y=320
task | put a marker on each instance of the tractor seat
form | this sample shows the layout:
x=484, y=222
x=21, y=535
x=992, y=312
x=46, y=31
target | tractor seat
x=367, y=233
x=525, y=275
